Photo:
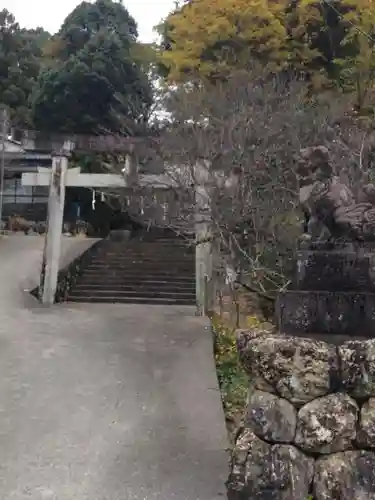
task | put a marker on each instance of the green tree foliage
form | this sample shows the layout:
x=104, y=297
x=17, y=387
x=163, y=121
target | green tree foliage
x=96, y=84
x=72, y=98
x=20, y=61
x=357, y=66
x=315, y=32
x=88, y=20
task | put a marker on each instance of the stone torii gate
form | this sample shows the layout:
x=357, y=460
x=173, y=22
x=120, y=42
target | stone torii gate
x=60, y=177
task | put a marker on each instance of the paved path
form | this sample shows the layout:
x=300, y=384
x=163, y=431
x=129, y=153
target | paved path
x=104, y=402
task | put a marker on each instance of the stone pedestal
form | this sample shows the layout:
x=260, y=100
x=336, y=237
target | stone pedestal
x=333, y=293
x=336, y=270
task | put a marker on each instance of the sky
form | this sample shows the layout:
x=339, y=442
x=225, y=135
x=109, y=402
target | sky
x=50, y=14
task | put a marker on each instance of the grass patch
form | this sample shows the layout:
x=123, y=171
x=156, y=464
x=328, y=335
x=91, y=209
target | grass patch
x=233, y=380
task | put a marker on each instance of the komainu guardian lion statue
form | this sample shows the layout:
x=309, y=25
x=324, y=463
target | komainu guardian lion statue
x=329, y=205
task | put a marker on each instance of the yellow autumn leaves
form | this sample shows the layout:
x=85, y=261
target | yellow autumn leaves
x=208, y=38
x=212, y=36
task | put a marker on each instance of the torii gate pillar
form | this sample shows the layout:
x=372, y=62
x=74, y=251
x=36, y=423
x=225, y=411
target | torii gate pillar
x=56, y=202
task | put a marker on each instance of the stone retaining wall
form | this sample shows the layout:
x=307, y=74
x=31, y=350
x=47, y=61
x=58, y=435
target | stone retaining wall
x=310, y=426
x=68, y=276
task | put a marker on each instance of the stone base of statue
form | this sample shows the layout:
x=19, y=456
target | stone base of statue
x=333, y=294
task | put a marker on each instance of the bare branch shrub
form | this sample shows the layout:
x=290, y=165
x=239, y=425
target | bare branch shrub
x=246, y=132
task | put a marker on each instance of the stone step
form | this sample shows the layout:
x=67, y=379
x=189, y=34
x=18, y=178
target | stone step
x=149, y=249
x=173, y=245
x=108, y=273
x=139, y=265
x=324, y=312
x=159, y=260
x=144, y=238
x=141, y=273
x=160, y=242
x=141, y=270
x=132, y=300
x=154, y=289
x=131, y=264
x=132, y=293
x=143, y=243
x=155, y=256
x=150, y=253
x=335, y=270
x=139, y=281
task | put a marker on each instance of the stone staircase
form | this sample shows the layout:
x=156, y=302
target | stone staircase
x=148, y=269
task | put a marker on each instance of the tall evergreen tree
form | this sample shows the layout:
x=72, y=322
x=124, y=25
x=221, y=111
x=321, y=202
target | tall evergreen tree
x=96, y=84
x=20, y=62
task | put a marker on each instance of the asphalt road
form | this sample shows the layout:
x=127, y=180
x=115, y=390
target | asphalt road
x=103, y=402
